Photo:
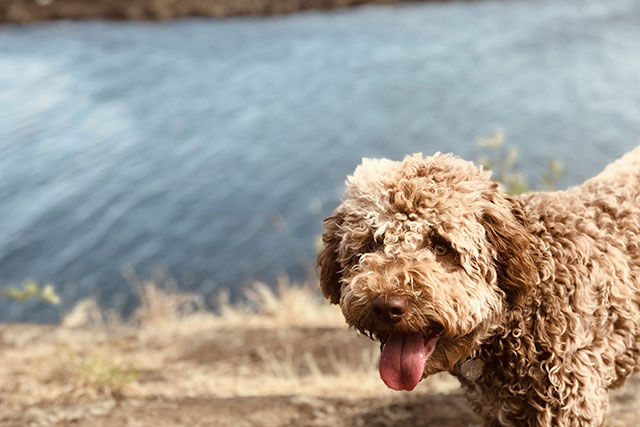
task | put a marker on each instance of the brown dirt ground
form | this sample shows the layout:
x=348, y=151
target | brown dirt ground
x=23, y=11
x=220, y=376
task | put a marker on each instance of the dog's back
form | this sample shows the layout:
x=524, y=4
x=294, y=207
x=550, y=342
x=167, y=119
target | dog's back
x=624, y=174
x=595, y=228
x=612, y=201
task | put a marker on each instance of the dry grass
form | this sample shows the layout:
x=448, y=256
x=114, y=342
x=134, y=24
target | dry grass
x=95, y=354
x=273, y=344
x=284, y=353
x=289, y=305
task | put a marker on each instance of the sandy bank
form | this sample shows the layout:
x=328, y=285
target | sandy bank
x=24, y=11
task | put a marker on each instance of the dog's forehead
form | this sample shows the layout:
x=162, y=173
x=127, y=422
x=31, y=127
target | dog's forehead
x=416, y=197
x=436, y=189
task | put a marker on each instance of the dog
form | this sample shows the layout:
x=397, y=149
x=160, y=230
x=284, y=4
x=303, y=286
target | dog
x=531, y=301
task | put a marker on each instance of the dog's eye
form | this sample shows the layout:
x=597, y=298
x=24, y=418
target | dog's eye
x=440, y=248
x=443, y=250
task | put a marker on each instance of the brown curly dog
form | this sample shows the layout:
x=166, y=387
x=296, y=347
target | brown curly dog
x=533, y=301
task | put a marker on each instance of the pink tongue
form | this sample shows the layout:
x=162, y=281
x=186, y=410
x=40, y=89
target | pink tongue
x=403, y=358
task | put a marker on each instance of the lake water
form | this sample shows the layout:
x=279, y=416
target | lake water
x=213, y=148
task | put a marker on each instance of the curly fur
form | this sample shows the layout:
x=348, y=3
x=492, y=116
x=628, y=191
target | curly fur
x=543, y=288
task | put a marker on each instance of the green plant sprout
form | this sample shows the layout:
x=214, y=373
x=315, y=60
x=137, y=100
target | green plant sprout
x=31, y=289
x=501, y=160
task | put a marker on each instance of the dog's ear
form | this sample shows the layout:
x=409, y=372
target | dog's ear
x=330, y=270
x=506, y=229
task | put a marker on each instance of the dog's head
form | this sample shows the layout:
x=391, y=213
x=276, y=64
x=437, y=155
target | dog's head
x=422, y=255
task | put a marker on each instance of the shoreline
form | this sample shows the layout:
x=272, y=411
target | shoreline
x=28, y=11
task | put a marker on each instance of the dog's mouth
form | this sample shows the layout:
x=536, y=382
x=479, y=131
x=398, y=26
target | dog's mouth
x=404, y=355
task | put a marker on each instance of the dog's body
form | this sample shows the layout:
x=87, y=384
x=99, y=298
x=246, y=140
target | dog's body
x=539, y=294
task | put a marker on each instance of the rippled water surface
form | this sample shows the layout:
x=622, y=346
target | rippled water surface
x=213, y=148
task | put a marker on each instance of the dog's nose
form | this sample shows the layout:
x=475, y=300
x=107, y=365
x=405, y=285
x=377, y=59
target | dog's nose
x=389, y=308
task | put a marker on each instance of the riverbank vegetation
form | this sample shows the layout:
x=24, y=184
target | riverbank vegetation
x=24, y=11
x=284, y=356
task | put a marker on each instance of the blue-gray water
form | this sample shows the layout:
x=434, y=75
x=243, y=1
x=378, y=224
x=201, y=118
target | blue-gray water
x=213, y=148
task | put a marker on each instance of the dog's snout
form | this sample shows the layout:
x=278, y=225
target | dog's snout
x=389, y=308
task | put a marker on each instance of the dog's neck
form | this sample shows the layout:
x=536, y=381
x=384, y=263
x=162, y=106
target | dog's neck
x=493, y=339
x=488, y=338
